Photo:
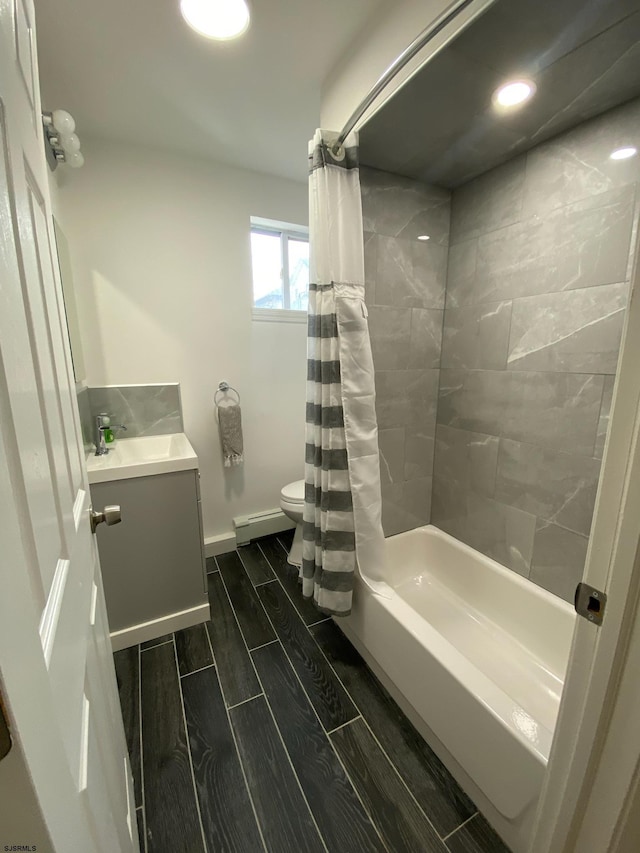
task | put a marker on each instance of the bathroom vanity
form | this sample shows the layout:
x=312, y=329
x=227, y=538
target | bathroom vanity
x=153, y=565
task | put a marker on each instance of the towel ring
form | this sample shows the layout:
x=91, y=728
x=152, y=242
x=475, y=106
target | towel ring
x=224, y=388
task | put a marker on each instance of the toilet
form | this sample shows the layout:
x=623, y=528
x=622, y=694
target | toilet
x=292, y=505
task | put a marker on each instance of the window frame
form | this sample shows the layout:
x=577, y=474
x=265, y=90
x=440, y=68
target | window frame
x=285, y=231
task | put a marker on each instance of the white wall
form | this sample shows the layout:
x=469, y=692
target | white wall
x=388, y=33
x=162, y=271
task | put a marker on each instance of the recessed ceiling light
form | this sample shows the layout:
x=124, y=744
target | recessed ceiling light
x=424, y=237
x=216, y=19
x=623, y=153
x=513, y=93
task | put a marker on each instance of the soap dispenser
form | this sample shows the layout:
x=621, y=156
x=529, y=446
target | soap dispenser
x=107, y=432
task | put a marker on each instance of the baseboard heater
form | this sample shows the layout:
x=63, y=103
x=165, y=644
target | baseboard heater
x=248, y=527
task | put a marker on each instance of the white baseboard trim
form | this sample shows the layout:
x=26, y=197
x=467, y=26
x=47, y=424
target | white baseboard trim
x=247, y=527
x=157, y=627
x=221, y=544
x=258, y=524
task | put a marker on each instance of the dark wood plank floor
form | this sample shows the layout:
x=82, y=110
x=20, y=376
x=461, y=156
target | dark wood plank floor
x=285, y=819
x=127, y=663
x=275, y=551
x=426, y=777
x=224, y=799
x=256, y=564
x=171, y=810
x=193, y=649
x=265, y=731
x=255, y=626
x=332, y=800
x=235, y=670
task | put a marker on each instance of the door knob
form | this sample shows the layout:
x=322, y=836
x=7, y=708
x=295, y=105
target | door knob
x=110, y=515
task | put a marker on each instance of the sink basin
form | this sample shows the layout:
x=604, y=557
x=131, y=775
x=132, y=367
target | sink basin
x=142, y=457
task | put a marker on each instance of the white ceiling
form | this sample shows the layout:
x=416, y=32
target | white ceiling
x=132, y=70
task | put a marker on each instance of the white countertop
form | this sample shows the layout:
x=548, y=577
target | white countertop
x=142, y=457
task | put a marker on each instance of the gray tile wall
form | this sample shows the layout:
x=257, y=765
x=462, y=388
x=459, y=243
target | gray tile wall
x=84, y=409
x=143, y=409
x=405, y=293
x=537, y=287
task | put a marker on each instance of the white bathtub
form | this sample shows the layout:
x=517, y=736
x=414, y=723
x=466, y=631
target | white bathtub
x=476, y=656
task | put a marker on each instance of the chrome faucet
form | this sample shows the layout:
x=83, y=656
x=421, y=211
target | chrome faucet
x=103, y=422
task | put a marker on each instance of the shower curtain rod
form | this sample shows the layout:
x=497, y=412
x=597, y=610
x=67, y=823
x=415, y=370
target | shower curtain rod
x=398, y=64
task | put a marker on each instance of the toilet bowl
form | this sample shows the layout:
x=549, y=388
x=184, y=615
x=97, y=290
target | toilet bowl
x=292, y=505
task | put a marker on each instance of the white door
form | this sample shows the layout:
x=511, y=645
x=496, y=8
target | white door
x=56, y=670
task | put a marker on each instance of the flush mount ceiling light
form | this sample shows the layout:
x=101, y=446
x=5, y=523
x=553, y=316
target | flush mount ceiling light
x=424, y=237
x=623, y=153
x=216, y=19
x=513, y=94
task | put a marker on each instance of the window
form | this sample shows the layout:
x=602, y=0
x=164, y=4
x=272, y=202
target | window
x=280, y=261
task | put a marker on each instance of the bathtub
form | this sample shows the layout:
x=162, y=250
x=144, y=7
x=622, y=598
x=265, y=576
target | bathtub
x=476, y=656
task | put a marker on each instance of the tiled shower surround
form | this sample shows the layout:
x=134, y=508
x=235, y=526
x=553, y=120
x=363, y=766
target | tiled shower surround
x=405, y=293
x=538, y=276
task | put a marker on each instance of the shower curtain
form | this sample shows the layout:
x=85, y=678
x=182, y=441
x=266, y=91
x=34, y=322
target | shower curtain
x=342, y=507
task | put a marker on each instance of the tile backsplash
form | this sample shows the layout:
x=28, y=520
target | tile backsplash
x=86, y=420
x=144, y=409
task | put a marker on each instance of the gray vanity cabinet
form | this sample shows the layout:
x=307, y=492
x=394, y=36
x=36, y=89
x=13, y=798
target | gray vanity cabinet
x=153, y=565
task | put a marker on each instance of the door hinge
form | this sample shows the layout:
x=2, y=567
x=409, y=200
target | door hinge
x=5, y=734
x=590, y=603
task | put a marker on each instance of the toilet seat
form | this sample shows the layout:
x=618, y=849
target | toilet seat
x=293, y=493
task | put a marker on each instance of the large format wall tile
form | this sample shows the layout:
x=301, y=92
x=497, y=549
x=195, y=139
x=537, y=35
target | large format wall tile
x=477, y=336
x=579, y=245
x=425, y=346
x=605, y=413
x=390, y=332
x=576, y=164
x=488, y=202
x=474, y=400
x=418, y=450
x=86, y=418
x=537, y=285
x=577, y=331
x=405, y=283
x=406, y=397
x=370, y=266
x=143, y=409
x=401, y=207
x=461, y=273
x=557, y=487
x=406, y=506
x=405, y=338
x=391, y=447
x=410, y=273
x=556, y=410
x=500, y=531
x=449, y=505
x=558, y=559
x=467, y=458
x=537, y=276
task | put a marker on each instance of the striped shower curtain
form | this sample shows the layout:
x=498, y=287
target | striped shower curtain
x=342, y=507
